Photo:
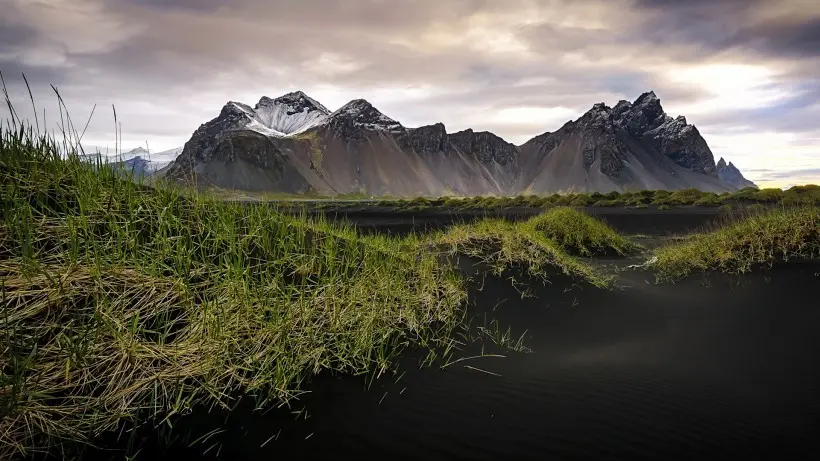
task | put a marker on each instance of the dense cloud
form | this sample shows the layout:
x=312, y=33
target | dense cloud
x=735, y=68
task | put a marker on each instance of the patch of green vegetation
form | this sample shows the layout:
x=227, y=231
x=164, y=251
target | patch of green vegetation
x=798, y=195
x=352, y=196
x=762, y=238
x=802, y=195
x=708, y=199
x=540, y=245
x=579, y=233
x=608, y=203
x=503, y=245
x=664, y=207
x=315, y=147
x=123, y=303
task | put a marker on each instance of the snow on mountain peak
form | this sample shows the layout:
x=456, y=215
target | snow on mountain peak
x=299, y=100
x=137, y=151
x=291, y=113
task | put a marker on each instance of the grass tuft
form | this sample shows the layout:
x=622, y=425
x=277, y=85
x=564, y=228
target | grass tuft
x=763, y=238
x=579, y=233
x=533, y=245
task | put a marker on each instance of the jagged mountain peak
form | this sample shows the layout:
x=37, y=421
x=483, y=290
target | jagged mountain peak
x=647, y=98
x=649, y=105
x=427, y=139
x=137, y=151
x=438, y=126
x=237, y=107
x=356, y=105
x=362, y=114
x=291, y=113
x=486, y=146
x=730, y=174
x=599, y=111
x=297, y=101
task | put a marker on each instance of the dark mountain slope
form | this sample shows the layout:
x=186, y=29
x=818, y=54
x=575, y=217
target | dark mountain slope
x=294, y=144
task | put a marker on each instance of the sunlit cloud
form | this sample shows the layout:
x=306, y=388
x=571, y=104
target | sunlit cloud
x=736, y=86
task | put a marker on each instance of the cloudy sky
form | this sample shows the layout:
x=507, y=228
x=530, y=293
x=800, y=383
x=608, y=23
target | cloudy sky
x=745, y=72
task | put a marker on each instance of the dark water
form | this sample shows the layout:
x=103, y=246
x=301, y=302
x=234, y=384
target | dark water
x=682, y=371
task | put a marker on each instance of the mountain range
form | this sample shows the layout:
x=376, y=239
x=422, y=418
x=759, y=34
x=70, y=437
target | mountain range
x=138, y=161
x=294, y=144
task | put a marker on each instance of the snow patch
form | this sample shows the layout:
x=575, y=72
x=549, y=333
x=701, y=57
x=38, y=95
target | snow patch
x=259, y=127
x=291, y=114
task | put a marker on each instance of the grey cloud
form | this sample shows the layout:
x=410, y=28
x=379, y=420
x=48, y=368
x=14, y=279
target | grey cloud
x=797, y=113
x=783, y=38
x=694, y=4
x=193, y=5
x=315, y=15
x=808, y=172
x=14, y=34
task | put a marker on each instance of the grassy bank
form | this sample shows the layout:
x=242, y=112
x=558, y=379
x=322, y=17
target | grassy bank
x=126, y=303
x=760, y=239
x=659, y=199
x=540, y=245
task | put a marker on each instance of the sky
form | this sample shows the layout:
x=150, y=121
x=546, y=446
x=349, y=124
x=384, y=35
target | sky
x=745, y=72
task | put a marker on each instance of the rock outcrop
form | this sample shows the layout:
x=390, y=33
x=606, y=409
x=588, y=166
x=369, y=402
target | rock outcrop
x=673, y=137
x=730, y=174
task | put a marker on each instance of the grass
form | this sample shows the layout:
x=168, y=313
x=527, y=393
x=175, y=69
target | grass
x=123, y=303
x=763, y=238
x=661, y=199
x=578, y=233
x=540, y=245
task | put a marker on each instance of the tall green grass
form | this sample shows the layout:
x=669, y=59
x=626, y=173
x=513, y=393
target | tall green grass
x=540, y=245
x=762, y=238
x=124, y=303
x=579, y=233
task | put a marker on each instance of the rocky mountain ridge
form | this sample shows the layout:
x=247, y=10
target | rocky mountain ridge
x=732, y=175
x=295, y=144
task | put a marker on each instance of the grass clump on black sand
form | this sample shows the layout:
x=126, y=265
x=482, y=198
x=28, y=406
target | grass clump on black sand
x=540, y=245
x=762, y=238
x=123, y=303
x=579, y=233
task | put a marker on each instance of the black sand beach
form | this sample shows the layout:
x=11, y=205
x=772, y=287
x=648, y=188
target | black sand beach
x=712, y=367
